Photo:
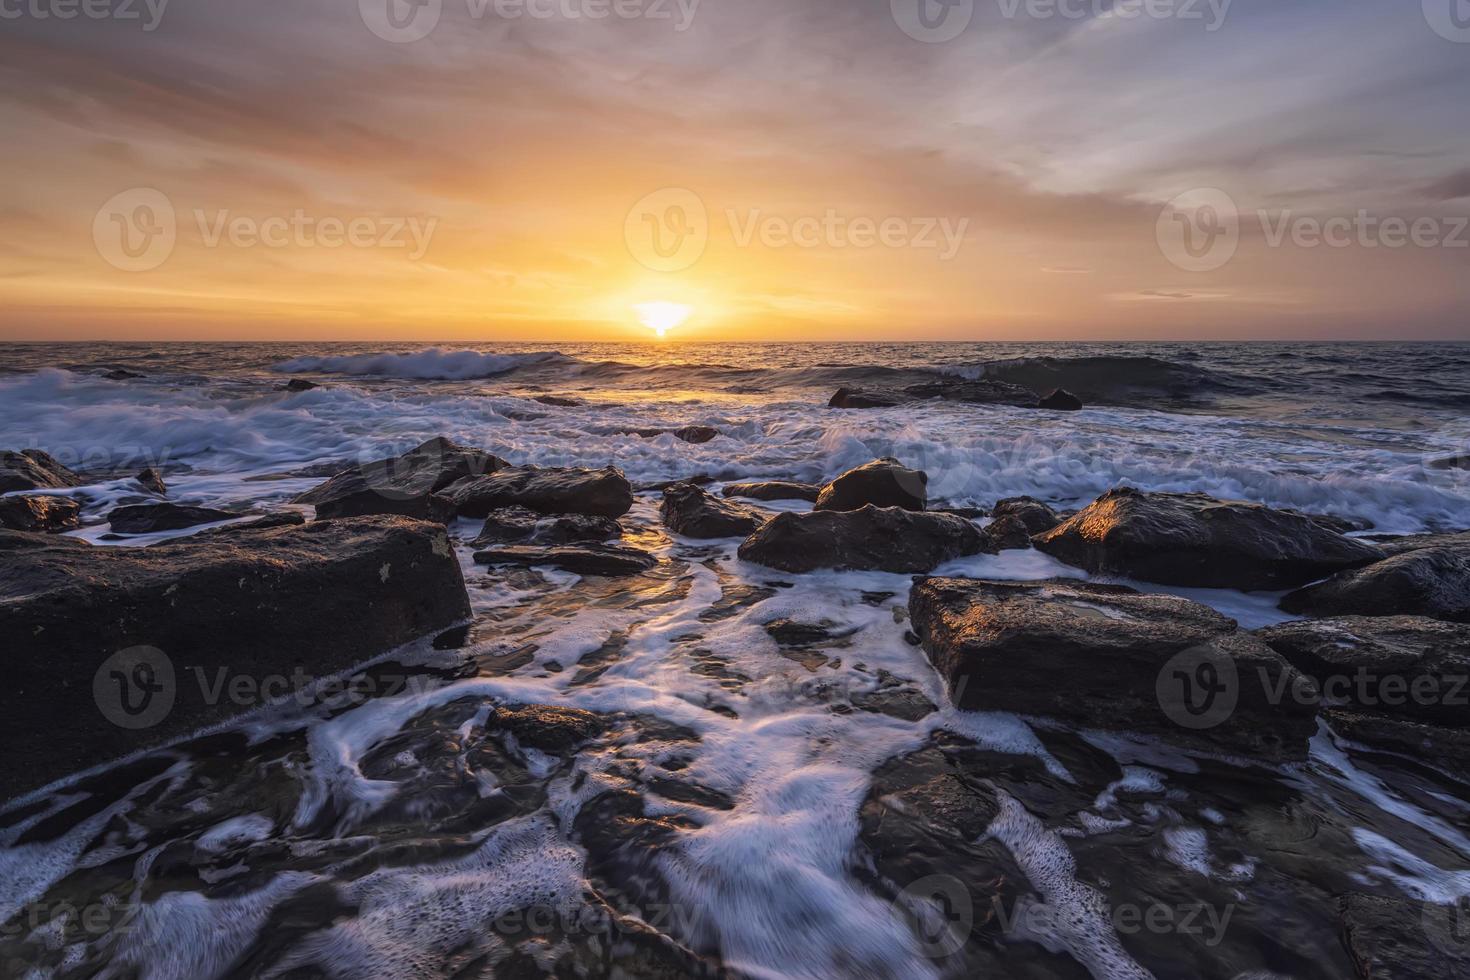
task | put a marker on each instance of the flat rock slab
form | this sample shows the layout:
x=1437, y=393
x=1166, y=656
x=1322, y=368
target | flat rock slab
x=1108, y=657
x=517, y=525
x=774, y=490
x=588, y=559
x=690, y=511
x=888, y=539
x=152, y=518
x=406, y=486
x=1433, y=582
x=40, y=514
x=110, y=650
x=1195, y=540
x=598, y=493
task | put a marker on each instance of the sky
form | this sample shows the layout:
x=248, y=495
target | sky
x=485, y=170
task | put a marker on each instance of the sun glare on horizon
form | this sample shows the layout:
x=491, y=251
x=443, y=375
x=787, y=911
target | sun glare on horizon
x=662, y=317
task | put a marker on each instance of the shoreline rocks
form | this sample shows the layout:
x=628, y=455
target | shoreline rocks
x=518, y=525
x=32, y=469
x=152, y=518
x=688, y=510
x=888, y=539
x=774, y=490
x=1432, y=582
x=882, y=483
x=40, y=514
x=405, y=486
x=596, y=493
x=152, y=481
x=608, y=560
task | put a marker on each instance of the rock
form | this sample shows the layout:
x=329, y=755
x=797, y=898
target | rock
x=152, y=481
x=774, y=490
x=284, y=518
x=23, y=540
x=1034, y=515
x=1400, y=939
x=1007, y=534
x=547, y=729
x=883, y=483
x=1061, y=400
x=517, y=525
x=1396, y=665
x=847, y=398
x=297, y=385
x=1396, y=545
x=697, y=434
x=588, y=559
x=317, y=598
x=152, y=518
x=558, y=402
x=406, y=486
x=31, y=469
x=44, y=515
x=1447, y=749
x=599, y=493
x=1108, y=657
x=980, y=392
x=888, y=539
x=121, y=374
x=688, y=510
x=1192, y=539
x=1433, y=582
x=1342, y=525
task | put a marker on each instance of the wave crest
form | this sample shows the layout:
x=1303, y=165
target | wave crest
x=433, y=364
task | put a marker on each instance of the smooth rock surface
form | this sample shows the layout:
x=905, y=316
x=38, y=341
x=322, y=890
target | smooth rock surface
x=1433, y=582
x=406, y=486
x=690, y=511
x=888, y=539
x=774, y=490
x=519, y=525
x=882, y=483
x=152, y=518
x=587, y=559
x=599, y=493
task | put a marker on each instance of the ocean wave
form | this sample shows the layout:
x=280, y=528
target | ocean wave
x=1107, y=379
x=434, y=364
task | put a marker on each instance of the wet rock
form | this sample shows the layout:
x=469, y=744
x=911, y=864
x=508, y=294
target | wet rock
x=545, y=728
x=848, y=398
x=883, y=483
x=1007, y=534
x=556, y=401
x=696, y=434
x=518, y=525
x=888, y=539
x=1036, y=516
x=980, y=392
x=1105, y=656
x=774, y=490
x=1396, y=545
x=121, y=374
x=152, y=518
x=790, y=633
x=297, y=385
x=25, y=540
x=80, y=624
x=1195, y=540
x=1061, y=400
x=1400, y=939
x=591, y=559
x=599, y=493
x=406, y=486
x=43, y=515
x=1405, y=666
x=32, y=469
x=1433, y=745
x=152, y=481
x=688, y=510
x=1342, y=525
x=1433, y=582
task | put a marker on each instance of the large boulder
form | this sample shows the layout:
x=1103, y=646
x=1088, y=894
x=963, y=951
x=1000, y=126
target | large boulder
x=1035, y=516
x=1192, y=539
x=1061, y=400
x=40, y=514
x=599, y=493
x=518, y=525
x=406, y=486
x=882, y=483
x=1433, y=582
x=688, y=510
x=888, y=539
x=774, y=490
x=1405, y=666
x=129, y=645
x=610, y=560
x=152, y=518
x=31, y=469
x=1106, y=656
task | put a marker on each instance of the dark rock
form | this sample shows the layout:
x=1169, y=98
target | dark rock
x=546, y=728
x=600, y=493
x=297, y=385
x=152, y=481
x=979, y=392
x=31, y=469
x=1061, y=400
x=1396, y=545
x=152, y=518
x=883, y=483
x=1034, y=515
x=1342, y=525
x=517, y=525
x=43, y=515
x=1397, y=665
x=1444, y=464
x=847, y=398
x=590, y=559
x=1108, y=657
x=1195, y=540
x=1400, y=939
x=789, y=633
x=696, y=434
x=1433, y=582
x=774, y=490
x=284, y=518
x=26, y=540
x=698, y=479
x=406, y=486
x=121, y=374
x=316, y=598
x=688, y=510
x=888, y=539
x=1007, y=534
x=1111, y=380
x=1447, y=749
x=558, y=402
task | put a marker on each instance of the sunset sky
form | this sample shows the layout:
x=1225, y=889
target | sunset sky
x=812, y=153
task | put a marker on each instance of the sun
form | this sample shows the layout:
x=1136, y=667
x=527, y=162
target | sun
x=662, y=317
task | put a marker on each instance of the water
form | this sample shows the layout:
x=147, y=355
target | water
x=408, y=835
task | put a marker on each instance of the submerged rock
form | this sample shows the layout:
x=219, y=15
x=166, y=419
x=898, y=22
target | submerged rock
x=599, y=493
x=774, y=490
x=556, y=401
x=588, y=559
x=152, y=518
x=547, y=728
x=1034, y=515
x=848, y=398
x=121, y=374
x=696, y=434
x=1109, y=657
x=31, y=469
x=298, y=385
x=116, y=640
x=888, y=539
x=1061, y=400
x=979, y=392
x=883, y=483
x=1401, y=939
x=406, y=486
x=152, y=481
x=688, y=510
x=44, y=515
x=1195, y=540
x=1433, y=582
x=518, y=525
